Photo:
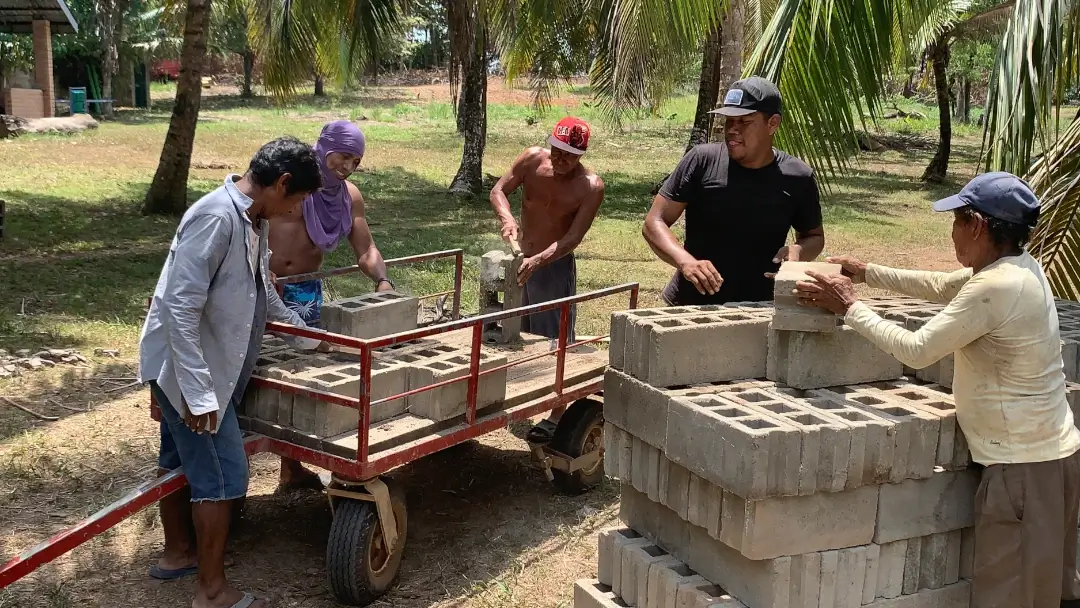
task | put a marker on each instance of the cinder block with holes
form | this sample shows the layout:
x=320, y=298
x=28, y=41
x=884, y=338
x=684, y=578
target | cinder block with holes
x=623, y=330
x=371, y=315
x=700, y=593
x=687, y=350
x=638, y=408
x=935, y=402
x=636, y=562
x=665, y=578
x=500, y=291
x=773, y=527
x=448, y=401
x=728, y=444
x=387, y=379
x=915, y=438
x=610, y=542
x=916, y=508
x=789, y=315
x=796, y=359
x=593, y=594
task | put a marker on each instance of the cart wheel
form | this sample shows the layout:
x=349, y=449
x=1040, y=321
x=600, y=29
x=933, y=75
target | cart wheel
x=361, y=569
x=580, y=431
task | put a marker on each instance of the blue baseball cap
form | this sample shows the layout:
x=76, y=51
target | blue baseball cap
x=999, y=195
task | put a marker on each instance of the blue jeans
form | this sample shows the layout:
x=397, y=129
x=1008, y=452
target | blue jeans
x=215, y=464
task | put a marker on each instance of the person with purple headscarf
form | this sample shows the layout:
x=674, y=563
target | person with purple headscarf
x=300, y=240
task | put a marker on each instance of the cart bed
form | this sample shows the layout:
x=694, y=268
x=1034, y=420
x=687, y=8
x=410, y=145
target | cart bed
x=526, y=382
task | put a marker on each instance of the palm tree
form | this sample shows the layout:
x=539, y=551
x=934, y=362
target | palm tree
x=168, y=191
x=109, y=21
x=833, y=60
x=967, y=24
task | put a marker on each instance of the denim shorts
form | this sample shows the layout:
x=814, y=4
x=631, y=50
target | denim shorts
x=215, y=465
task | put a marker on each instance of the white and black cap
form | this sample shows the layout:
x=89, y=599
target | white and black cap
x=753, y=94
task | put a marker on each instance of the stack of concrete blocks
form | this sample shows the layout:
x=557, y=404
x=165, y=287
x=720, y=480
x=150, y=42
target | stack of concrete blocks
x=836, y=483
x=371, y=315
x=500, y=291
x=394, y=370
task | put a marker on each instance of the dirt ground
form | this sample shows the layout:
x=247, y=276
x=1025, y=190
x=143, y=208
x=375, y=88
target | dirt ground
x=484, y=527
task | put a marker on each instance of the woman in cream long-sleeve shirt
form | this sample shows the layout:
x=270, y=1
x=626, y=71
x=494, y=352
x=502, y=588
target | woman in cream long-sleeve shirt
x=1009, y=386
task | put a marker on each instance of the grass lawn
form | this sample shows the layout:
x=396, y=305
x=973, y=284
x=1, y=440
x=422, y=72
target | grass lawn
x=78, y=262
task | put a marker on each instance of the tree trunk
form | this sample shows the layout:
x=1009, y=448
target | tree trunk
x=731, y=39
x=963, y=101
x=124, y=83
x=939, y=165
x=249, y=69
x=708, y=88
x=110, y=21
x=472, y=120
x=320, y=90
x=168, y=191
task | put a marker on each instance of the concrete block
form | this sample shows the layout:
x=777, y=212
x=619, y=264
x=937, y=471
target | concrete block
x=890, y=580
x=371, y=315
x=805, y=580
x=611, y=451
x=618, y=571
x=675, y=487
x=664, y=580
x=1070, y=354
x=450, y=401
x=592, y=594
x=871, y=449
x=953, y=596
x=730, y=445
x=789, y=315
x=795, y=358
x=638, y=408
x=934, y=402
x=793, y=460
x=706, y=348
x=607, y=542
x=954, y=546
x=636, y=562
x=850, y=577
x=967, y=552
x=933, y=561
x=873, y=564
x=705, y=505
x=915, y=438
x=772, y=527
x=700, y=593
x=912, y=565
x=830, y=565
x=757, y=583
x=387, y=379
x=915, y=508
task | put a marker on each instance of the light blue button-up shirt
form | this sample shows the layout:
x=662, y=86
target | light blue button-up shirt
x=208, y=308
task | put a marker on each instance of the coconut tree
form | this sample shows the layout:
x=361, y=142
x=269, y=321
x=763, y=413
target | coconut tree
x=168, y=191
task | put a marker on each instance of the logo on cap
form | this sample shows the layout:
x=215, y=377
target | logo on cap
x=733, y=97
x=571, y=134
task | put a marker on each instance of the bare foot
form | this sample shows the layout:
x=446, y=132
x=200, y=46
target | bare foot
x=177, y=562
x=295, y=477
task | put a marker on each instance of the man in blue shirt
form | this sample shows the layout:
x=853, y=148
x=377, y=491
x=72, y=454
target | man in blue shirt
x=199, y=346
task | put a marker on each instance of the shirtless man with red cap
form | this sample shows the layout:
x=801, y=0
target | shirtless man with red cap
x=559, y=203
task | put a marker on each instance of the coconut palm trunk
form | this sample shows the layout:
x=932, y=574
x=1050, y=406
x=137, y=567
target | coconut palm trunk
x=939, y=164
x=168, y=191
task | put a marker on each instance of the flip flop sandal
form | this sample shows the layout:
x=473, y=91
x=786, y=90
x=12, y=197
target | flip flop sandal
x=162, y=574
x=245, y=602
x=542, y=433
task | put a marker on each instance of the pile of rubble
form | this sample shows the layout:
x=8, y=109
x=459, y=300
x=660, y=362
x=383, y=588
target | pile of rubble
x=27, y=360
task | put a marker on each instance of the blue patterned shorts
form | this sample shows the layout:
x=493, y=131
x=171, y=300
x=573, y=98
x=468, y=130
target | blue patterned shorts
x=305, y=299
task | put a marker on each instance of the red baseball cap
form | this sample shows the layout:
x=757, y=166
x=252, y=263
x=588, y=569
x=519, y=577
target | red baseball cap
x=571, y=135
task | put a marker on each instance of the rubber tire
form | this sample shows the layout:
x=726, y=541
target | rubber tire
x=569, y=439
x=347, y=549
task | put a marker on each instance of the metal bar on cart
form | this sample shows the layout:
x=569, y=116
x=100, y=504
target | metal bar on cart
x=365, y=470
x=412, y=259
x=134, y=501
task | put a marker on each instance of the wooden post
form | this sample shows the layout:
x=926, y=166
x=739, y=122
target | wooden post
x=2, y=211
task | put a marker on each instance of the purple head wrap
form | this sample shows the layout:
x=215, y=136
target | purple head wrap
x=328, y=211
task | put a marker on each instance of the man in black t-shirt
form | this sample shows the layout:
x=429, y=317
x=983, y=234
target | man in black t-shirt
x=741, y=198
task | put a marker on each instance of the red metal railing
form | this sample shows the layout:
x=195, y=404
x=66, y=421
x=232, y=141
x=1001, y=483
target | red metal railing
x=360, y=466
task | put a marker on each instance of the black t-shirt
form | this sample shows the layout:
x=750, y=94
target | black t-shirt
x=737, y=218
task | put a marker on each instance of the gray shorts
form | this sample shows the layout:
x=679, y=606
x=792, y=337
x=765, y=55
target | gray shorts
x=552, y=282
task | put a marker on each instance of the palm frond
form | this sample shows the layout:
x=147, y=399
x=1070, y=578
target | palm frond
x=985, y=23
x=1055, y=178
x=1036, y=61
x=641, y=43
x=297, y=38
x=828, y=86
